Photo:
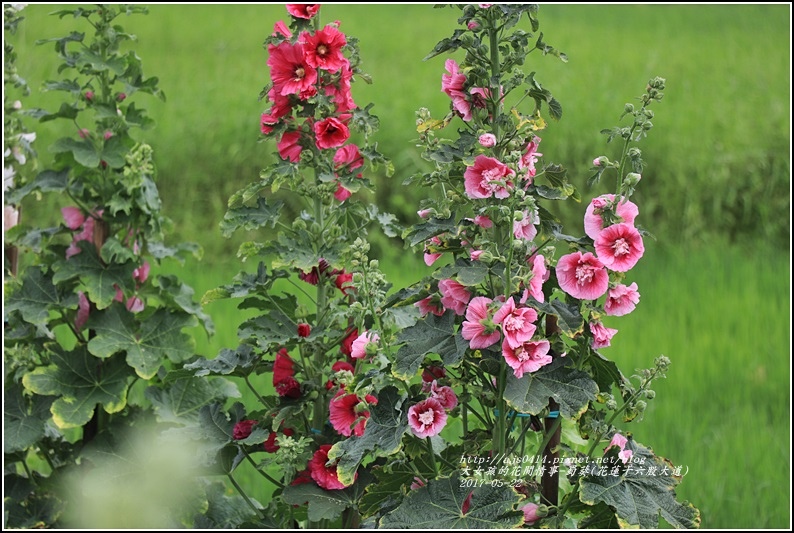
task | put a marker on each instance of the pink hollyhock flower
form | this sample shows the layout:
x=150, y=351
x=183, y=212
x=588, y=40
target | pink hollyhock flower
x=602, y=335
x=597, y=162
x=324, y=475
x=525, y=228
x=348, y=413
x=289, y=70
x=324, y=48
x=619, y=247
x=432, y=373
x=107, y=135
x=621, y=300
x=331, y=132
x=10, y=217
x=424, y=213
x=341, y=194
x=84, y=133
x=134, y=304
x=417, y=484
x=582, y=276
x=445, y=395
x=454, y=296
x=625, y=455
x=617, y=440
x=427, y=418
x=452, y=84
x=348, y=158
x=303, y=11
x=242, y=429
x=483, y=221
x=539, y=274
x=488, y=177
x=83, y=310
x=529, y=356
x=474, y=255
x=86, y=234
x=479, y=328
x=517, y=322
x=529, y=158
x=288, y=147
x=431, y=304
x=530, y=511
x=432, y=257
x=141, y=274
x=347, y=344
x=89, y=95
x=487, y=140
x=304, y=329
x=625, y=211
x=280, y=28
x=270, y=445
x=73, y=217
x=359, y=348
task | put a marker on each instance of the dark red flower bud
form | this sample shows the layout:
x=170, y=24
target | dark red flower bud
x=243, y=429
x=304, y=329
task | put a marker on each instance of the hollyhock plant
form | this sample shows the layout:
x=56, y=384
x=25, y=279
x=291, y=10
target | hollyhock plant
x=619, y=247
x=479, y=328
x=427, y=418
x=488, y=177
x=621, y=300
x=582, y=276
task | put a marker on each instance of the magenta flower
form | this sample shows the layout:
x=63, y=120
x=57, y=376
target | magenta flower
x=582, y=276
x=483, y=221
x=529, y=158
x=324, y=475
x=529, y=356
x=280, y=28
x=454, y=296
x=303, y=11
x=488, y=177
x=539, y=274
x=427, y=418
x=341, y=92
x=453, y=83
x=620, y=441
x=487, y=140
x=141, y=274
x=431, y=304
x=289, y=70
x=83, y=310
x=432, y=257
x=243, y=429
x=445, y=395
x=331, y=132
x=517, y=322
x=359, y=348
x=619, y=247
x=324, y=48
x=288, y=147
x=304, y=329
x=479, y=328
x=625, y=211
x=73, y=217
x=525, y=228
x=602, y=335
x=621, y=300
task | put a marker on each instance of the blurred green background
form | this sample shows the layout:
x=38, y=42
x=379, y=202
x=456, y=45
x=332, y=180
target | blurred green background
x=715, y=284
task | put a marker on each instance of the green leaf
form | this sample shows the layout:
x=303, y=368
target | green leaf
x=432, y=227
x=250, y=217
x=224, y=511
x=382, y=436
x=24, y=418
x=465, y=272
x=386, y=492
x=639, y=498
x=148, y=344
x=605, y=372
x=35, y=298
x=99, y=279
x=183, y=399
x=433, y=334
x=81, y=382
x=240, y=362
x=83, y=150
x=569, y=319
x=571, y=388
x=47, y=181
x=180, y=295
x=438, y=505
x=323, y=504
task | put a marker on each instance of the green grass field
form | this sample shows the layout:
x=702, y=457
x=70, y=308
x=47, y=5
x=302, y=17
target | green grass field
x=715, y=287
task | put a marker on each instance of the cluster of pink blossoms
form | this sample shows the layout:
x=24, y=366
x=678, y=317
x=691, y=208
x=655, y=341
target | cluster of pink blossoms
x=303, y=67
x=609, y=221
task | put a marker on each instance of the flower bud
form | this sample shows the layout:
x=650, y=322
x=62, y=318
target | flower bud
x=632, y=179
x=628, y=108
x=304, y=329
x=650, y=394
x=89, y=95
x=121, y=97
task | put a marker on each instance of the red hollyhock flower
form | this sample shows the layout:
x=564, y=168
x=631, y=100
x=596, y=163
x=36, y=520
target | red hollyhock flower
x=347, y=344
x=325, y=476
x=303, y=11
x=289, y=147
x=331, y=132
x=324, y=48
x=344, y=283
x=348, y=413
x=283, y=367
x=289, y=70
x=270, y=444
x=288, y=388
x=303, y=477
x=243, y=429
x=433, y=373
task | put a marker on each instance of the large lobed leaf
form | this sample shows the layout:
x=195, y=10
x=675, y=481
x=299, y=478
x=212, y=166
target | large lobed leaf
x=433, y=334
x=439, y=505
x=24, y=418
x=100, y=279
